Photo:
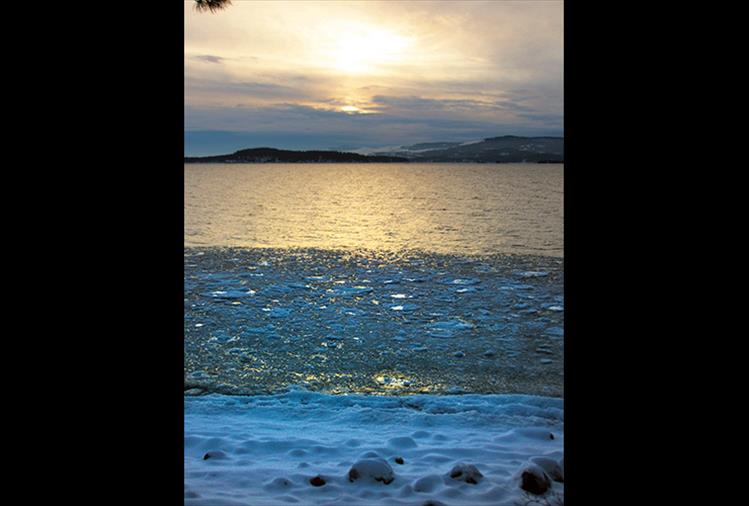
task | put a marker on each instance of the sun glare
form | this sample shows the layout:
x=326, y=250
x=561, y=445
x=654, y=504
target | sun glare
x=360, y=50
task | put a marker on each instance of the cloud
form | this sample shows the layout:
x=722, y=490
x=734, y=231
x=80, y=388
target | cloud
x=262, y=70
x=296, y=126
x=209, y=58
x=430, y=105
x=228, y=93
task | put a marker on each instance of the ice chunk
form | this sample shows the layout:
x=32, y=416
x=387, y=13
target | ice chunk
x=462, y=281
x=469, y=289
x=534, y=274
x=299, y=286
x=555, y=331
x=279, y=312
x=404, y=307
x=448, y=328
x=346, y=291
x=231, y=294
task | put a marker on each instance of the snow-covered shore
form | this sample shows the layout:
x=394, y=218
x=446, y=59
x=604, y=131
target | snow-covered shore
x=299, y=448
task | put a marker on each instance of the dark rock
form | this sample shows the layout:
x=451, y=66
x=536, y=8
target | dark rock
x=467, y=473
x=552, y=469
x=281, y=482
x=535, y=480
x=317, y=481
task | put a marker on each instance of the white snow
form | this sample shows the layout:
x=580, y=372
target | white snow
x=468, y=143
x=265, y=450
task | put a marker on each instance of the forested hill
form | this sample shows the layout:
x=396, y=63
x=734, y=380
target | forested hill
x=272, y=155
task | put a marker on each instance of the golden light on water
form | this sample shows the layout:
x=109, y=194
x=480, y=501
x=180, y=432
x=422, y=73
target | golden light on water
x=393, y=381
x=376, y=207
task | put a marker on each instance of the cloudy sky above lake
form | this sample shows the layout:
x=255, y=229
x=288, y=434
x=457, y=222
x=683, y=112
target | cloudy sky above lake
x=348, y=75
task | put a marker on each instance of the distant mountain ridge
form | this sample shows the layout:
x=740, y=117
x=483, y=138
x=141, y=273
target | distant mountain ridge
x=503, y=149
x=272, y=155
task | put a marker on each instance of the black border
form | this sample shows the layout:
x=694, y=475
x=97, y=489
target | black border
x=111, y=165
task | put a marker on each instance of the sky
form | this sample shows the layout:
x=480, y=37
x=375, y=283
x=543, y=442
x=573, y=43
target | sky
x=370, y=75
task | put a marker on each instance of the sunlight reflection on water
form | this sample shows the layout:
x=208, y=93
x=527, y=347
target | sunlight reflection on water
x=446, y=208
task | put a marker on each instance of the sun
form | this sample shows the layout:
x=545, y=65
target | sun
x=358, y=49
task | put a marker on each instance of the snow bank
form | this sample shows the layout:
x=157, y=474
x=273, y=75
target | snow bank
x=301, y=448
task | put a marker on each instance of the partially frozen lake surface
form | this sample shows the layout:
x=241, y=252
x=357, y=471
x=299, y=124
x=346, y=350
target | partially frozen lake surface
x=261, y=320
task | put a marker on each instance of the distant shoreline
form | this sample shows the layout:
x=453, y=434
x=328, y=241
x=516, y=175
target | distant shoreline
x=272, y=155
x=504, y=149
x=542, y=162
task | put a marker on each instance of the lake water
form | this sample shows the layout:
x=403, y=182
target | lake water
x=445, y=208
x=374, y=278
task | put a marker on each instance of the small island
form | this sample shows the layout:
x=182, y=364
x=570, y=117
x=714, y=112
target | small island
x=272, y=155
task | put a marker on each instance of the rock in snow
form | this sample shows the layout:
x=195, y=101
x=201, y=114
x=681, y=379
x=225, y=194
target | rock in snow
x=271, y=463
x=214, y=454
x=535, y=480
x=372, y=469
x=467, y=473
x=317, y=481
x=550, y=466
